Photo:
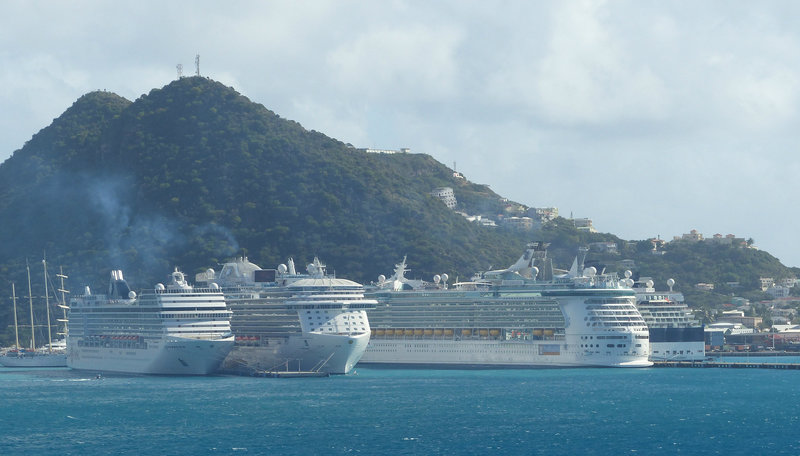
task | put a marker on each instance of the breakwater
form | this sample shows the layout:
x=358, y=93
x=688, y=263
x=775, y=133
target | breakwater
x=727, y=364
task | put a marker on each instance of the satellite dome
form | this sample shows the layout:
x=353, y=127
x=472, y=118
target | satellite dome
x=670, y=282
x=445, y=277
x=210, y=272
x=159, y=287
x=628, y=273
x=535, y=271
x=132, y=294
x=649, y=284
x=381, y=278
x=282, y=268
x=437, y=278
x=213, y=286
x=590, y=271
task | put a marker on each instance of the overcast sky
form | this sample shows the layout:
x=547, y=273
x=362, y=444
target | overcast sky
x=649, y=117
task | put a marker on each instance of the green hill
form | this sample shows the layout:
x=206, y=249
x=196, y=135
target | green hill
x=194, y=173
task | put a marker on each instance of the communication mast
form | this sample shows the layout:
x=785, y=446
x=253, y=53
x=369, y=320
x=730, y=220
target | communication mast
x=197, y=64
x=180, y=70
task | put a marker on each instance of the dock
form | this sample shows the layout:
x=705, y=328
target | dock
x=726, y=364
x=290, y=374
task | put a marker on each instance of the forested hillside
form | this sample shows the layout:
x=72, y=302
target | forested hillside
x=194, y=173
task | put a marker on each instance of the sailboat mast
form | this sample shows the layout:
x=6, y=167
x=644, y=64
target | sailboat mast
x=30, y=301
x=63, y=292
x=14, y=299
x=47, y=307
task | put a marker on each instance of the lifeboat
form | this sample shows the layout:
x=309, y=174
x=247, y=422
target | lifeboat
x=390, y=332
x=417, y=332
x=437, y=332
x=484, y=332
x=408, y=332
x=448, y=332
x=466, y=332
x=380, y=332
x=548, y=332
x=428, y=332
x=537, y=332
x=494, y=332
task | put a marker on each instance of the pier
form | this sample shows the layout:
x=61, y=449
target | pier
x=727, y=364
x=290, y=374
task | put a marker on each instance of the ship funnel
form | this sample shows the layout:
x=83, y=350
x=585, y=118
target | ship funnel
x=118, y=288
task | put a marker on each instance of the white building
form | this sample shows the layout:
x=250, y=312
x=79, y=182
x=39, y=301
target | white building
x=446, y=195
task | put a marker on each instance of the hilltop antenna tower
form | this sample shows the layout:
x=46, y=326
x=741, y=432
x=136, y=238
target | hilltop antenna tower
x=180, y=70
x=197, y=64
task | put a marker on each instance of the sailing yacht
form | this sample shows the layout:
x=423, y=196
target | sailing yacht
x=54, y=354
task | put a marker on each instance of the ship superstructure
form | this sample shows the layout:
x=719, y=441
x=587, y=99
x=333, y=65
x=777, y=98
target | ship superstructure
x=286, y=320
x=675, y=335
x=174, y=329
x=522, y=316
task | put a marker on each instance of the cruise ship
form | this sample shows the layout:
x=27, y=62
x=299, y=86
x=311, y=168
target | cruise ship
x=675, y=335
x=172, y=330
x=283, y=320
x=524, y=316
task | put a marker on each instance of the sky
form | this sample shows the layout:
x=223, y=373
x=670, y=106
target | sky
x=651, y=118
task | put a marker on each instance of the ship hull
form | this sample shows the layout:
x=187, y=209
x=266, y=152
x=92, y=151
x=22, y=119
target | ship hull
x=335, y=354
x=37, y=360
x=483, y=354
x=677, y=344
x=171, y=356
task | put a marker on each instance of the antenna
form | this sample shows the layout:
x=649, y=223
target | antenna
x=197, y=64
x=180, y=70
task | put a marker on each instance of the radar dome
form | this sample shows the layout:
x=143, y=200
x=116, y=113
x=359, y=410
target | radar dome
x=590, y=271
x=213, y=286
x=649, y=284
x=445, y=277
x=628, y=273
x=670, y=282
x=629, y=282
x=132, y=295
x=159, y=287
x=437, y=278
x=534, y=271
x=282, y=268
x=210, y=272
x=381, y=278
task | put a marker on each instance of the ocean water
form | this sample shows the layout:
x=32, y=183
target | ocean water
x=405, y=412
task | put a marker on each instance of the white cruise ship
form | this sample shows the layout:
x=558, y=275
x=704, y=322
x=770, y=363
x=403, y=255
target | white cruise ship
x=172, y=330
x=675, y=335
x=289, y=321
x=523, y=316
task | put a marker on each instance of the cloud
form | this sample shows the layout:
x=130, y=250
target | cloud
x=384, y=62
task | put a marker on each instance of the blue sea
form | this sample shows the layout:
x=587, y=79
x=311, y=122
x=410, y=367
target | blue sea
x=405, y=412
